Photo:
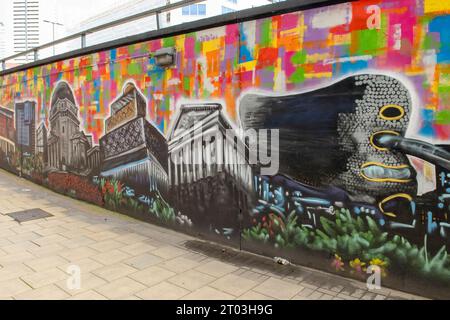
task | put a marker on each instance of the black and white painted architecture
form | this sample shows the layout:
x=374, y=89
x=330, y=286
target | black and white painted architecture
x=67, y=144
x=133, y=150
x=208, y=166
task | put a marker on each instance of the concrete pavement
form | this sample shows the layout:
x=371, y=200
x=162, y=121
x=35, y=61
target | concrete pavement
x=122, y=258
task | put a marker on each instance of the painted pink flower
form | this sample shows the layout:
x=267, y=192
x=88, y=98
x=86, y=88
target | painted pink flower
x=337, y=263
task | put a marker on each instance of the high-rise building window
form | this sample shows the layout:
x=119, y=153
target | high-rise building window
x=233, y=1
x=201, y=9
x=227, y=10
x=194, y=10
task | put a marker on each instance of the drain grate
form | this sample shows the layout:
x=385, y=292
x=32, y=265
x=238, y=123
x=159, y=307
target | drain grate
x=28, y=215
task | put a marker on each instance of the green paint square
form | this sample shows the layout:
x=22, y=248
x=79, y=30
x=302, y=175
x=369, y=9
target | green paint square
x=299, y=57
x=370, y=41
x=266, y=33
x=169, y=42
x=134, y=69
x=298, y=76
x=186, y=83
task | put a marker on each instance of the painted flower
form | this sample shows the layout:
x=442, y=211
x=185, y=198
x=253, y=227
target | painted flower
x=337, y=263
x=358, y=266
x=119, y=187
x=378, y=262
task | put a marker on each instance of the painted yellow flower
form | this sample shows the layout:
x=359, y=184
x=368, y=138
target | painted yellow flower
x=378, y=262
x=358, y=265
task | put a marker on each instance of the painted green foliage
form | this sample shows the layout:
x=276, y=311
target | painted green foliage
x=115, y=198
x=353, y=239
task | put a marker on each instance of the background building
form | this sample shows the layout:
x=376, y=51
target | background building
x=212, y=8
x=66, y=12
x=20, y=15
x=126, y=8
x=26, y=21
x=2, y=40
x=120, y=9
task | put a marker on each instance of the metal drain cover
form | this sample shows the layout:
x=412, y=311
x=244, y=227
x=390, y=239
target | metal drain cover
x=28, y=215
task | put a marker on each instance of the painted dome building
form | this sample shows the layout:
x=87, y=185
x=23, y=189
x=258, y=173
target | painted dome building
x=68, y=146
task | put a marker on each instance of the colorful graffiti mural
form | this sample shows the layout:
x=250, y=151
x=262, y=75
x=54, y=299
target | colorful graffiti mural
x=358, y=94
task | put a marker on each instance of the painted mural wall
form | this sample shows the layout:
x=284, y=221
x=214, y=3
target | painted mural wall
x=353, y=98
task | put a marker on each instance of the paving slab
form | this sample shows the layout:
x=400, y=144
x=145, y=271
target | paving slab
x=121, y=258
